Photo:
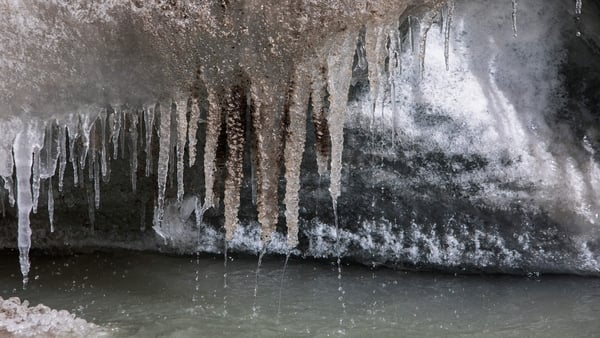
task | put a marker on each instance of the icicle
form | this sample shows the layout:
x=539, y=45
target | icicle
x=164, y=138
x=92, y=150
x=103, y=160
x=339, y=62
x=578, y=4
x=9, y=185
x=267, y=98
x=62, y=144
x=213, y=130
x=294, y=150
x=182, y=134
x=86, y=127
x=51, y=204
x=96, y=167
x=411, y=39
x=25, y=143
x=123, y=129
x=149, y=121
x=514, y=17
x=235, y=159
x=133, y=149
x=73, y=128
x=192, y=130
x=375, y=48
x=427, y=22
x=449, y=19
x=35, y=180
x=115, y=121
x=318, y=84
x=394, y=72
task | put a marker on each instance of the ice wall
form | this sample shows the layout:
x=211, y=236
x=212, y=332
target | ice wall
x=231, y=84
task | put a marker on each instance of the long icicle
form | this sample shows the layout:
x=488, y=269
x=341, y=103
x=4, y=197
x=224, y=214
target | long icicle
x=35, y=178
x=318, y=84
x=149, y=123
x=62, y=145
x=426, y=26
x=375, y=48
x=448, y=30
x=51, y=204
x=235, y=119
x=164, y=137
x=339, y=63
x=182, y=130
x=192, y=130
x=294, y=150
x=133, y=149
x=213, y=130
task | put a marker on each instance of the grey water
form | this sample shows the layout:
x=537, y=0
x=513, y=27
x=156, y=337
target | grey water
x=151, y=295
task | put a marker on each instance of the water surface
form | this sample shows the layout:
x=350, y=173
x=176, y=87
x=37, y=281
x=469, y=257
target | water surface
x=151, y=295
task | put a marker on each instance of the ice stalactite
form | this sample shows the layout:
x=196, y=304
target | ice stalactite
x=213, y=130
x=164, y=137
x=133, y=149
x=182, y=134
x=267, y=123
x=86, y=125
x=123, y=131
x=73, y=130
x=149, y=127
x=25, y=142
x=375, y=41
x=319, y=117
x=514, y=17
x=115, y=123
x=294, y=149
x=395, y=68
x=427, y=21
x=103, y=161
x=234, y=112
x=339, y=75
x=448, y=29
x=51, y=204
x=62, y=143
x=35, y=179
x=192, y=130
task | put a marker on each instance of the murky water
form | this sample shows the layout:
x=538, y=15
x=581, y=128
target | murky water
x=150, y=295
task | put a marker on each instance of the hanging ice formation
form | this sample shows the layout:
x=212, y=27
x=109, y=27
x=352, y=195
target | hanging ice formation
x=265, y=114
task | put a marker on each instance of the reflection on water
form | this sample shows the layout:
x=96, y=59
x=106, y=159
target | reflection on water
x=147, y=295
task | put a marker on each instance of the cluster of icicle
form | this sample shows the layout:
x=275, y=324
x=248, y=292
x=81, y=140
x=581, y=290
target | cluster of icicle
x=89, y=140
x=38, y=149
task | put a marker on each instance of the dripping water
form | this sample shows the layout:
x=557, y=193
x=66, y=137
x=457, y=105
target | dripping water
x=287, y=257
x=260, y=258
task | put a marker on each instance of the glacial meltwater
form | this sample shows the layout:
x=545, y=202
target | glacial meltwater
x=133, y=294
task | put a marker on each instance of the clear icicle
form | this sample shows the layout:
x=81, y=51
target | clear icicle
x=133, y=149
x=294, y=150
x=122, y=136
x=62, y=144
x=514, y=17
x=192, y=130
x=375, y=47
x=149, y=122
x=103, y=159
x=235, y=158
x=86, y=127
x=448, y=29
x=115, y=121
x=35, y=178
x=9, y=185
x=73, y=128
x=51, y=204
x=24, y=144
x=213, y=130
x=394, y=72
x=182, y=134
x=318, y=92
x=164, y=138
x=339, y=63
x=411, y=39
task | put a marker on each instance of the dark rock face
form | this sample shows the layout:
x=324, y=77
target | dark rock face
x=489, y=166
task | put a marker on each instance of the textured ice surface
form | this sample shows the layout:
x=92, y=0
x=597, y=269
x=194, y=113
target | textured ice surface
x=18, y=319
